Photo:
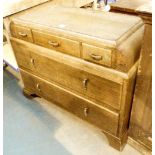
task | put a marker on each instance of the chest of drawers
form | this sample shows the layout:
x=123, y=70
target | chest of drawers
x=81, y=60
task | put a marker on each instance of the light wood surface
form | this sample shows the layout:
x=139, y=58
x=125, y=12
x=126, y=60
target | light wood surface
x=97, y=70
x=77, y=20
x=16, y=7
x=128, y=6
x=100, y=93
x=97, y=55
x=102, y=90
x=57, y=43
x=141, y=116
x=139, y=147
x=71, y=102
x=22, y=33
x=111, y=33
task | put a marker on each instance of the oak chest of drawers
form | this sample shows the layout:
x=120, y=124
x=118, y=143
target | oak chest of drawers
x=81, y=60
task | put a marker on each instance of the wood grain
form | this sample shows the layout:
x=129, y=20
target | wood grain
x=102, y=90
x=97, y=55
x=141, y=116
x=119, y=57
x=97, y=70
x=113, y=32
x=127, y=6
x=72, y=102
x=99, y=92
x=49, y=17
x=63, y=45
x=68, y=75
x=23, y=33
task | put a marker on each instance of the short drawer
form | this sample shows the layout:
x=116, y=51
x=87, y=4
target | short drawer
x=96, y=54
x=101, y=117
x=57, y=43
x=21, y=32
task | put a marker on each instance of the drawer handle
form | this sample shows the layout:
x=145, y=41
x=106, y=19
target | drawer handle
x=85, y=81
x=86, y=111
x=32, y=61
x=22, y=34
x=54, y=44
x=96, y=57
x=38, y=87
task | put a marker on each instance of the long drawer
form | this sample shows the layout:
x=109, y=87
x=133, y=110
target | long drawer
x=89, y=85
x=81, y=107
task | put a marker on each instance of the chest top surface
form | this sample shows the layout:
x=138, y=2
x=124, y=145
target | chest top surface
x=105, y=26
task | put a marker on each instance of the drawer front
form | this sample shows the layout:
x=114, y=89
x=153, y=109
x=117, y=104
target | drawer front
x=97, y=55
x=21, y=32
x=89, y=85
x=23, y=55
x=99, y=116
x=57, y=43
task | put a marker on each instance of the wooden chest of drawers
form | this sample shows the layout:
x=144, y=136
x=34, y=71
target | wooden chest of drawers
x=85, y=67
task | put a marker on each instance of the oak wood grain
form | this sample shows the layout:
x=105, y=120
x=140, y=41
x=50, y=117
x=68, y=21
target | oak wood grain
x=99, y=92
x=128, y=6
x=60, y=44
x=113, y=32
x=100, y=89
x=23, y=33
x=97, y=55
x=97, y=70
x=141, y=115
x=72, y=102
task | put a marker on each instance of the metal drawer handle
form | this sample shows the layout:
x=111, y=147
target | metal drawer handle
x=54, y=44
x=85, y=81
x=86, y=110
x=38, y=87
x=32, y=61
x=22, y=34
x=95, y=57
